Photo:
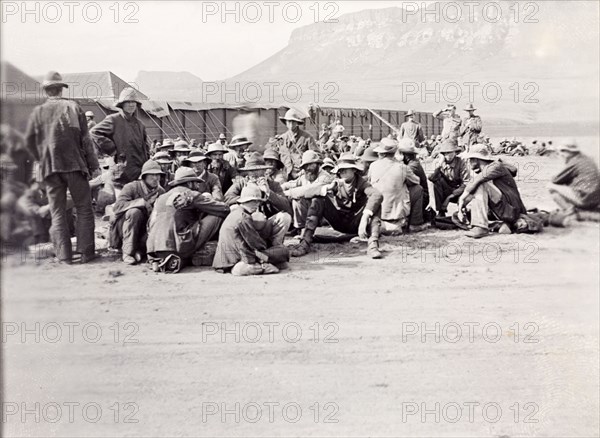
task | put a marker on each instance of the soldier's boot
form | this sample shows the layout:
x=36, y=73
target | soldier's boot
x=242, y=269
x=373, y=249
x=303, y=247
x=373, y=244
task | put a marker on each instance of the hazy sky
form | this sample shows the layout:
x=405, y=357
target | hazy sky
x=169, y=35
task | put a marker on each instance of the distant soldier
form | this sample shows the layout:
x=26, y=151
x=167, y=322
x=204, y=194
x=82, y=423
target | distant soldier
x=324, y=133
x=338, y=129
x=166, y=164
x=222, y=140
x=89, y=116
x=451, y=122
x=470, y=127
x=411, y=129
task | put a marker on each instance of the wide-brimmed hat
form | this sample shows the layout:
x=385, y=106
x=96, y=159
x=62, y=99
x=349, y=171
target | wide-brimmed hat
x=449, y=146
x=181, y=146
x=254, y=162
x=53, y=79
x=347, y=161
x=569, y=147
x=162, y=158
x=292, y=115
x=89, y=114
x=347, y=165
x=167, y=143
x=272, y=154
x=479, y=151
x=215, y=147
x=407, y=146
x=251, y=192
x=310, y=157
x=195, y=157
x=151, y=167
x=369, y=155
x=386, y=146
x=328, y=163
x=184, y=175
x=239, y=140
x=450, y=106
x=470, y=107
x=128, y=95
x=222, y=137
x=409, y=113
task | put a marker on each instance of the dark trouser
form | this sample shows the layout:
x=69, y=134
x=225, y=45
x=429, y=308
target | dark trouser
x=56, y=188
x=40, y=227
x=202, y=232
x=416, y=205
x=340, y=221
x=442, y=190
x=129, y=232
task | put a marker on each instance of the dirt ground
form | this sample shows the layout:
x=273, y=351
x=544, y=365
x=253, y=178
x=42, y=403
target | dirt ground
x=443, y=337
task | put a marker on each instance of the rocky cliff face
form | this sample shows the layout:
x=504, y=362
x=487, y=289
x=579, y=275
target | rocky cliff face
x=552, y=46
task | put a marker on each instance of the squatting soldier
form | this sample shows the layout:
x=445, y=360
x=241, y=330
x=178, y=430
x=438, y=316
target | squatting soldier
x=449, y=177
x=350, y=204
x=248, y=243
x=132, y=210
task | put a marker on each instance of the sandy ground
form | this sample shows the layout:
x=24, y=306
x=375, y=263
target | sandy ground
x=357, y=347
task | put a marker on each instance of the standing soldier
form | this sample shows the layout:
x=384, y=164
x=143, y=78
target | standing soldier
x=470, y=127
x=122, y=134
x=451, y=122
x=57, y=137
x=411, y=129
x=293, y=143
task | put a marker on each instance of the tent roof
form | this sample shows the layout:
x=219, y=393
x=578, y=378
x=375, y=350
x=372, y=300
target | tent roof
x=95, y=85
x=18, y=85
